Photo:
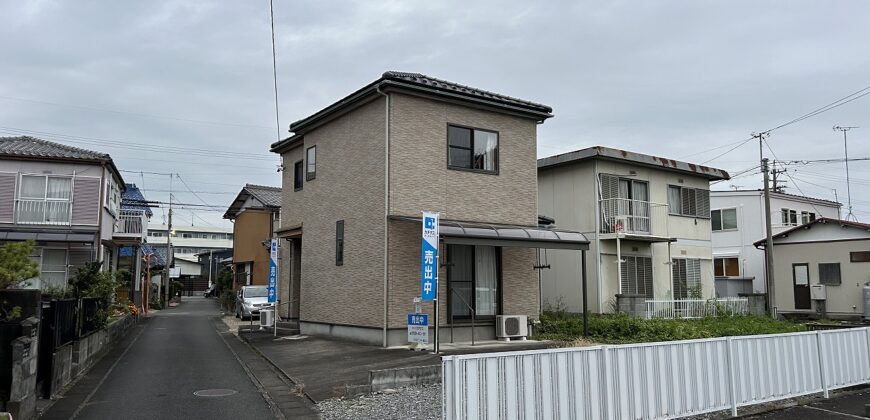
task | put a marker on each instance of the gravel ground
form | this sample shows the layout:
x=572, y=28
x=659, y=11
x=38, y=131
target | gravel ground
x=423, y=402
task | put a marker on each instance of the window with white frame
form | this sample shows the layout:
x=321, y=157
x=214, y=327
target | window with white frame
x=724, y=219
x=807, y=216
x=44, y=199
x=726, y=267
x=53, y=268
x=113, y=196
x=789, y=217
x=687, y=278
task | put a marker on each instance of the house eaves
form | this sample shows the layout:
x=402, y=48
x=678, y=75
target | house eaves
x=806, y=226
x=601, y=152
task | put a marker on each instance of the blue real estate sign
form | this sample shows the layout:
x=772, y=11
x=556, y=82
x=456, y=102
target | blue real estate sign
x=273, y=270
x=418, y=328
x=429, y=257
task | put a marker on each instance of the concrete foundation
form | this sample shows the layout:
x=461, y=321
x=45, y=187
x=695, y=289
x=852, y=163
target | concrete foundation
x=631, y=304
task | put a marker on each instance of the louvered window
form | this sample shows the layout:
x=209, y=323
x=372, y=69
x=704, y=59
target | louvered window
x=687, y=278
x=637, y=277
x=683, y=201
x=829, y=274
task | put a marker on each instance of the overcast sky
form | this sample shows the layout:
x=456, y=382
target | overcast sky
x=670, y=78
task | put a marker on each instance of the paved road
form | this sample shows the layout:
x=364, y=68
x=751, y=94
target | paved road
x=172, y=355
x=841, y=407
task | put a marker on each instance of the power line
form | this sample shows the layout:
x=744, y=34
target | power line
x=793, y=182
x=275, y=69
x=139, y=145
x=138, y=114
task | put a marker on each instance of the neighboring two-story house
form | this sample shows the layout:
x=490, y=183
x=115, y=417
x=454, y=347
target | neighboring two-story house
x=651, y=214
x=255, y=214
x=358, y=174
x=738, y=221
x=67, y=200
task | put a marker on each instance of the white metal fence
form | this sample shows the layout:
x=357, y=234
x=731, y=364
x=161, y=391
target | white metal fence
x=653, y=380
x=696, y=308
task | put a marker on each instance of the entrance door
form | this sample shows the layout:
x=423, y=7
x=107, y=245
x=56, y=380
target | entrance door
x=473, y=281
x=801, y=277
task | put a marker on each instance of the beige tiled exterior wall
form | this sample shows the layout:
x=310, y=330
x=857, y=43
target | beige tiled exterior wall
x=349, y=186
x=420, y=180
x=292, y=202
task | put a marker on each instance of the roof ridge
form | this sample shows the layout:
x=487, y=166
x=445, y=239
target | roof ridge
x=391, y=73
x=263, y=186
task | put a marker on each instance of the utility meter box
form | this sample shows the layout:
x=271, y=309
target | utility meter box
x=818, y=292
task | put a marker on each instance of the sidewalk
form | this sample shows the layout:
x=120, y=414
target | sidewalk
x=850, y=405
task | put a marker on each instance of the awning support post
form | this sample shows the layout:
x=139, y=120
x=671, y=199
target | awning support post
x=585, y=308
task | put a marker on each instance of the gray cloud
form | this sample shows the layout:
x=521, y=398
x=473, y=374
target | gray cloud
x=670, y=78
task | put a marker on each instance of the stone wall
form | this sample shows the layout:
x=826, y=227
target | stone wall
x=757, y=303
x=22, y=397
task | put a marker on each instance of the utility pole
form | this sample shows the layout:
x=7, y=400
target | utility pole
x=169, y=258
x=777, y=184
x=768, y=248
x=849, y=216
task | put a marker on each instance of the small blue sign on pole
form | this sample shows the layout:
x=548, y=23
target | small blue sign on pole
x=429, y=258
x=418, y=328
x=273, y=271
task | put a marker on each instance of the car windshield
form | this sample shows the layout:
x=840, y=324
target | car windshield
x=256, y=292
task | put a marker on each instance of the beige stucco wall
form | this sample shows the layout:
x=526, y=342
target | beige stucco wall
x=420, y=180
x=843, y=300
x=569, y=193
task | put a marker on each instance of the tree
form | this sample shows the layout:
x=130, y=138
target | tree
x=16, y=265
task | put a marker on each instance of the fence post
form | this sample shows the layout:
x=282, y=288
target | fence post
x=827, y=393
x=608, y=383
x=732, y=380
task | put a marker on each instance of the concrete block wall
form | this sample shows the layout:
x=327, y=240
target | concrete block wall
x=631, y=304
x=22, y=397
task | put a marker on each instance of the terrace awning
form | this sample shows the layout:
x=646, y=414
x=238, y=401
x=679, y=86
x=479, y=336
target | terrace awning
x=469, y=233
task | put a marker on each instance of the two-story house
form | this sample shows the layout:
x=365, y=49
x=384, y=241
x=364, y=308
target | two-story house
x=648, y=220
x=66, y=199
x=255, y=214
x=738, y=221
x=358, y=174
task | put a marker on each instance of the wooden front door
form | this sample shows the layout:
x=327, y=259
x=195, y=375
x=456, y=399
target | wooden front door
x=801, y=281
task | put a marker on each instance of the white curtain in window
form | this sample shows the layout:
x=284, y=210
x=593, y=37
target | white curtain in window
x=59, y=188
x=486, y=270
x=33, y=187
x=486, y=145
x=674, y=201
x=460, y=279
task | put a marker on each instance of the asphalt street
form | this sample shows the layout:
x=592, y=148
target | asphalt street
x=156, y=371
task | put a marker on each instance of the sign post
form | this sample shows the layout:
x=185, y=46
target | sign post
x=273, y=283
x=429, y=265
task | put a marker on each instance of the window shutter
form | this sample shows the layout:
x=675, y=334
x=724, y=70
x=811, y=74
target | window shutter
x=7, y=197
x=609, y=186
x=702, y=199
x=646, y=267
x=628, y=274
x=86, y=201
x=78, y=257
x=678, y=269
x=689, y=207
x=693, y=273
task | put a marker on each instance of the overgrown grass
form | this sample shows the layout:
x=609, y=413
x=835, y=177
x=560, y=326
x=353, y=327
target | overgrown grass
x=623, y=328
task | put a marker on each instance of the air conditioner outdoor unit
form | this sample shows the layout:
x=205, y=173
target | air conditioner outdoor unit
x=511, y=326
x=267, y=318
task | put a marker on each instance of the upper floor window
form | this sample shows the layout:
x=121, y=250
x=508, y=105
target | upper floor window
x=724, y=219
x=473, y=149
x=726, y=267
x=789, y=217
x=807, y=216
x=311, y=168
x=113, y=196
x=44, y=199
x=684, y=201
x=297, y=175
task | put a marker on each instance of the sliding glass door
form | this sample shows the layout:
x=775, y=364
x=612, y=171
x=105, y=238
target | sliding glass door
x=473, y=279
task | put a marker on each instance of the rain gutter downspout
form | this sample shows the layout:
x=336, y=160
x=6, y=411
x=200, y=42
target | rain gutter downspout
x=386, y=211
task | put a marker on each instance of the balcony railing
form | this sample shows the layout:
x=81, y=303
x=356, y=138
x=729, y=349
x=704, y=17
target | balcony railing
x=131, y=224
x=633, y=217
x=43, y=212
x=696, y=308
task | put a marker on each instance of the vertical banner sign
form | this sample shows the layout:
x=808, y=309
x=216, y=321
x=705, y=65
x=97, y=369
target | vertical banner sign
x=429, y=260
x=273, y=270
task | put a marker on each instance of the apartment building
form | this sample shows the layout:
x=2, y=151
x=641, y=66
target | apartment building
x=738, y=221
x=187, y=242
x=648, y=220
x=358, y=174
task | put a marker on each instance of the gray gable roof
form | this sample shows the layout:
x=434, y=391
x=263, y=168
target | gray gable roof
x=422, y=84
x=26, y=147
x=601, y=152
x=31, y=147
x=269, y=197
